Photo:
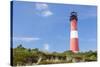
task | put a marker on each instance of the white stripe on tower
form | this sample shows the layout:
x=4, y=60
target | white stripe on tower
x=74, y=34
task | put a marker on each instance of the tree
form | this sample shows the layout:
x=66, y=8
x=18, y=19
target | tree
x=20, y=46
x=29, y=50
x=36, y=49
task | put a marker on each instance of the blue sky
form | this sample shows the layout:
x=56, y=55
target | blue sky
x=46, y=26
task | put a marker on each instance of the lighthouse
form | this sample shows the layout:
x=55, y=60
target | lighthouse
x=74, y=45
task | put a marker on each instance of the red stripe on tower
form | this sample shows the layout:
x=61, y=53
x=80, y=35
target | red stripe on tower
x=74, y=33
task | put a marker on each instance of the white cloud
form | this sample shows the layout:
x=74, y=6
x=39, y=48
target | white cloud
x=46, y=46
x=43, y=9
x=41, y=6
x=27, y=39
x=47, y=13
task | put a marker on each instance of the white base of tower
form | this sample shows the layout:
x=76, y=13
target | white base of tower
x=76, y=51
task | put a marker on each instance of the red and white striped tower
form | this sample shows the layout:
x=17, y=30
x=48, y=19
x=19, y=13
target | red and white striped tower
x=74, y=33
